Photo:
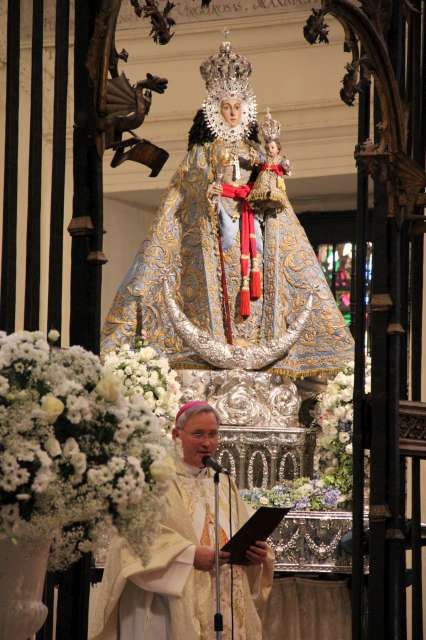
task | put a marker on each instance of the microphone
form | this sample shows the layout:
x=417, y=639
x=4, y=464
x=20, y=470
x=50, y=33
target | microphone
x=208, y=461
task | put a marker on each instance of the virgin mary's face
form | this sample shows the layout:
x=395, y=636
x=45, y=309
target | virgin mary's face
x=230, y=109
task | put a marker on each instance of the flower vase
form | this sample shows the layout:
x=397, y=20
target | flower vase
x=22, y=572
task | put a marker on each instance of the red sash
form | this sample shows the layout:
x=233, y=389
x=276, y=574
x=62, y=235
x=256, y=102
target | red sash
x=250, y=286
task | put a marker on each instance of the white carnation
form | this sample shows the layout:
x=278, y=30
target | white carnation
x=4, y=386
x=70, y=447
x=116, y=464
x=79, y=462
x=344, y=437
x=42, y=481
x=53, y=447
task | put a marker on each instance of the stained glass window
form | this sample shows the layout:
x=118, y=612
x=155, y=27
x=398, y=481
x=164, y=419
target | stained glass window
x=336, y=262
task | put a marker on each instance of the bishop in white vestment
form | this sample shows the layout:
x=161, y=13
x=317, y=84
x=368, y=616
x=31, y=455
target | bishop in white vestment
x=173, y=596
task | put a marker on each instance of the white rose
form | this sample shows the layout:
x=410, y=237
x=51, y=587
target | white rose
x=147, y=353
x=53, y=447
x=53, y=335
x=344, y=437
x=349, y=449
x=52, y=406
x=263, y=500
x=109, y=387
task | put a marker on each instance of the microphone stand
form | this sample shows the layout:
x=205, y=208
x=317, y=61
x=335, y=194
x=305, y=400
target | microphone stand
x=218, y=620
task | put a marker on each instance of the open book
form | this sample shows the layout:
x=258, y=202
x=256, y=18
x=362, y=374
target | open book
x=258, y=527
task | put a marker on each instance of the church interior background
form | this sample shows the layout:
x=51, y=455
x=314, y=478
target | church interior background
x=300, y=83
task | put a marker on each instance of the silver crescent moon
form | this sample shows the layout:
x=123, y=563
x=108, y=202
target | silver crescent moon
x=227, y=356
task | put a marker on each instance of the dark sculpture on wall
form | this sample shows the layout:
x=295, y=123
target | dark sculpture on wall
x=121, y=106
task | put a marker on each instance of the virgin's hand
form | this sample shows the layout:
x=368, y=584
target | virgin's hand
x=214, y=190
x=253, y=156
x=258, y=552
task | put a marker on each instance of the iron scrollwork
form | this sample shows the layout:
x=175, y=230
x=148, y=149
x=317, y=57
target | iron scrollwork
x=365, y=25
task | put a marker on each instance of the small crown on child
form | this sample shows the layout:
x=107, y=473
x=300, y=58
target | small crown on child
x=270, y=128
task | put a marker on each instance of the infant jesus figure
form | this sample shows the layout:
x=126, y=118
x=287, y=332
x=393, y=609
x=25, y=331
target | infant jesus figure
x=269, y=192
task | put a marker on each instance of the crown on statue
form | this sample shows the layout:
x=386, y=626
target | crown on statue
x=226, y=73
x=270, y=128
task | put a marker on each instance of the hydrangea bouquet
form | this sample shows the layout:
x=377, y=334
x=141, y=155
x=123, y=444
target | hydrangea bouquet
x=144, y=372
x=76, y=456
x=302, y=494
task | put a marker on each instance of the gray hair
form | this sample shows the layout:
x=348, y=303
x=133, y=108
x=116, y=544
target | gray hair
x=194, y=411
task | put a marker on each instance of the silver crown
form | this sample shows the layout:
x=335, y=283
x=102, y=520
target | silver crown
x=270, y=128
x=226, y=72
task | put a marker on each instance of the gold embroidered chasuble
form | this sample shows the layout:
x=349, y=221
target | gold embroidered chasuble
x=184, y=240
x=188, y=521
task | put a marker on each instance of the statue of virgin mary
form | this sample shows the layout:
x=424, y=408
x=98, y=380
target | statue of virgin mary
x=240, y=281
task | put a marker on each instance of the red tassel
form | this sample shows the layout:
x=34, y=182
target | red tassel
x=244, y=303
x=255, y=285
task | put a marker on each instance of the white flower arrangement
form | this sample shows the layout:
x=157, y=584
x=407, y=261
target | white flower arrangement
x=142, y=371
x=77, y=457
x=334, y=416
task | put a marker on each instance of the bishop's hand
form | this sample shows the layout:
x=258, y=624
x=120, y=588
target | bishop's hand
x=258, y=552
x=204, y=558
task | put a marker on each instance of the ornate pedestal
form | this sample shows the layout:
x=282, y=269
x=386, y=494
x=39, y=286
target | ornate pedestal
x=264, y=458
x=310, y=541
